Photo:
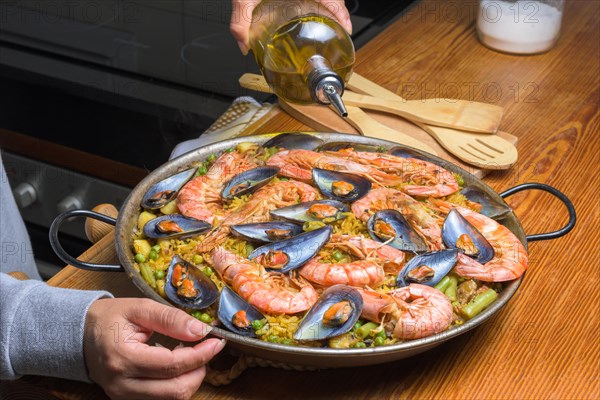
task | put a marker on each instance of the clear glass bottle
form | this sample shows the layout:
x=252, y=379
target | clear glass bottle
x=519, y=26
x=304, y=54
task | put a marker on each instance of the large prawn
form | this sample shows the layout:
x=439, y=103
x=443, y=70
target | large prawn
x=201, y=198
x=298, y=164
x=412, y=312
x=510, y=257
x=269, y=197
x=375, y=259
x=429, y=179
x=426, y=225
x=272, y=293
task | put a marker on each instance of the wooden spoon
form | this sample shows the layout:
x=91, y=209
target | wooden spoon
x=485, y=151
x=458, y=114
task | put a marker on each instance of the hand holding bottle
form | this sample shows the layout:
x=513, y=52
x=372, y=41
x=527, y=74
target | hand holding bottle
x=241, y=18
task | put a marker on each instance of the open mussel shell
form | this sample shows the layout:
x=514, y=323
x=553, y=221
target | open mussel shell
x=248, y=181
x=457, y=232
x=294, y=141
x=236, y=313
x=387, y=224
x=267, y=232
x=166, y=190
x=337, y=146
x=341, y=186
x=174, y=225
x=428, y=268
x=293, y=253
x=335, y=313
x=188, y=287
x=407, y=152
x=490, y=207
x=318, y=210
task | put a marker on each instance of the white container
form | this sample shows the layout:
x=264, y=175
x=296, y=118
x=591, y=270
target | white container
x=519, y=27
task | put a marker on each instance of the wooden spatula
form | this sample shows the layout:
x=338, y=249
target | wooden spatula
x=457, y=114
x=485, y=151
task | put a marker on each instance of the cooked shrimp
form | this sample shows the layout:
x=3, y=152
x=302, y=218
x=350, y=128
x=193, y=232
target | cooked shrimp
x=414, y=211
x=510, y=258
x=298, y=164
x=272, y=293
x=375, y=260
x=269, y=197
x=423, y=311
x=410, y=312
x=201, y=198
x=429, y=179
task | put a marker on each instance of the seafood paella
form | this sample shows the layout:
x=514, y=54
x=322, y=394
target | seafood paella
x=306, y=243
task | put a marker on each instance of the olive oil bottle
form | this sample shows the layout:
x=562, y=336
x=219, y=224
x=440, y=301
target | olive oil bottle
x=303, y=53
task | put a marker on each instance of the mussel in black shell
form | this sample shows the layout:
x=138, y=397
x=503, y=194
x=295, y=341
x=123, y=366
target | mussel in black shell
x=318, y=210
x=458, y=233
x=341, y=186
x=490, y=207
x=188, y=287
x=248, y=181
x=166, y=190
x=337, y=146
x=293, y=253
x=335, y=313
x=237, y=314
x=407, y=152
x=174, y=225
x=294, y=141
x=428, y=268
x=391, y=227
x=267, y=232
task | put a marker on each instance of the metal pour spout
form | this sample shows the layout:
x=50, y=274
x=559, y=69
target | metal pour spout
x=335, y=99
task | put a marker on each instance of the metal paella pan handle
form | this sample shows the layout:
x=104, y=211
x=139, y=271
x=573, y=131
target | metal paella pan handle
x=67, y=258
x=561, y=196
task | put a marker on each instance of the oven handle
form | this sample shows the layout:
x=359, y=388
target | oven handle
x=66, y=257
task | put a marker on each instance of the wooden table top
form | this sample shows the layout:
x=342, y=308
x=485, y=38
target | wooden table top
x=544, y=343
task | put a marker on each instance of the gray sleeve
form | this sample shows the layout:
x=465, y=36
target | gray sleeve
x=42, y=329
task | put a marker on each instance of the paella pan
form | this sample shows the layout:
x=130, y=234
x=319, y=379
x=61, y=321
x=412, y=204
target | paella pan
x=321, y=249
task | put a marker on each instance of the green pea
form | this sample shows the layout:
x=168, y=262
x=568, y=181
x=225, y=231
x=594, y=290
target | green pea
x=274, y=339
x=153, y=255
x=196, y=314
x=211, y=158
x=197, y=259
x=379, y=341
x=360, y=345
x=207, y=271
x=159, y=274
x=257, y=324
x=139, y=258
x=357, y=325
x=381, y=334
x=202, y=170
x=338, y=256
x=230, y=150
x=204, y=317
x=287, y=342
x=156, y=248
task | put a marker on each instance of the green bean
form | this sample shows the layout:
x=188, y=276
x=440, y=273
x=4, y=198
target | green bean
x=139, y=258
x=230, y=150
x=211, y=158
x=479, y=303
x=159, y=274
x=451, y=289
x=365, y=330
x=156, y=248
x=338, y=255
x=443, y=284
x=148, y=274
x=197, y=259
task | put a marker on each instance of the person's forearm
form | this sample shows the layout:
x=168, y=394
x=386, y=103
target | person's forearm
x=42, y=329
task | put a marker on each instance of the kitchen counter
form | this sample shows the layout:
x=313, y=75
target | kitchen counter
x=544, y=342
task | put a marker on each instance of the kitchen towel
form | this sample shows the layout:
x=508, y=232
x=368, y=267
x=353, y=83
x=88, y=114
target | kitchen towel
x=243, y=112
